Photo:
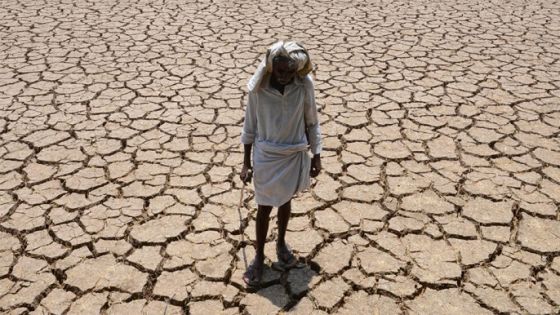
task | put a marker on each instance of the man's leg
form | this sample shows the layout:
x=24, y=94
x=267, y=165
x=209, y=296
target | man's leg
x=252, y=275
x=284, y=212
x=263, y=217
x=283, y=252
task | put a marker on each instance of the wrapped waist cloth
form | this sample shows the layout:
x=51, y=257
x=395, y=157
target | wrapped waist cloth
x=280, y=171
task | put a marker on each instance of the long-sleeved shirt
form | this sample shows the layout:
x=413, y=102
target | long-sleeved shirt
x=279, y=118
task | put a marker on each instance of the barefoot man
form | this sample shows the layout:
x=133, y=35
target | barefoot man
x=281, y=125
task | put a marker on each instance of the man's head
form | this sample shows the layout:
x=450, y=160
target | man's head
x=280, y=60
x=284, y=69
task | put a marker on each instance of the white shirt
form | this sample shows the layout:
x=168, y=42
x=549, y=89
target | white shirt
x=279, y=118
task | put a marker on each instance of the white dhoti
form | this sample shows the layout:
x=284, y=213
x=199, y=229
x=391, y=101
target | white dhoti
x=280, y=171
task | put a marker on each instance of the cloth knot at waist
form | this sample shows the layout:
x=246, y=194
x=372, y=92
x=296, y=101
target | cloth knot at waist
x=280, y=149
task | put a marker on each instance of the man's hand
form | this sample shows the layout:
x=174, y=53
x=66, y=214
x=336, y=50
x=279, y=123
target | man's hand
x=315, y=165
x=246, y=174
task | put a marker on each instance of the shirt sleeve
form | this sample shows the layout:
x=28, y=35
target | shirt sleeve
x=311, y=117
x=250, y=123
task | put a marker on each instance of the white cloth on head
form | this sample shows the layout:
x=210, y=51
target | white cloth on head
x=291, y=50
x=275, y=124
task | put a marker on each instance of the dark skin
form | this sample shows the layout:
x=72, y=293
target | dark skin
x=283, y=73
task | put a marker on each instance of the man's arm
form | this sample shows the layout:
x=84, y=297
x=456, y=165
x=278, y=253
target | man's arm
x=313, y=130
x=248, y=137
x=246, y=173
x=247, y=155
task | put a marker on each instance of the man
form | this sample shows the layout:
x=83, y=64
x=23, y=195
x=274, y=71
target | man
x=281, y=125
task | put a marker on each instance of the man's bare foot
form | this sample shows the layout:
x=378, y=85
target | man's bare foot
x=253, y=275
x=285, y=255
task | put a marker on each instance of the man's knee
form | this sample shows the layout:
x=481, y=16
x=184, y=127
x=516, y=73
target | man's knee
x=286, y=206
x=265, y=210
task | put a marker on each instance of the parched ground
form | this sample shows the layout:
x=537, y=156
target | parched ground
x=120, y=148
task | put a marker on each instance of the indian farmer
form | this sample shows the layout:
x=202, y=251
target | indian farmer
x=281, y=126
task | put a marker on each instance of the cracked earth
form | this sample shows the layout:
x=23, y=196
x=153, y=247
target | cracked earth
x=120, y=147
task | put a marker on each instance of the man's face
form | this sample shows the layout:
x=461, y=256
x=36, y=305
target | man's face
x=284, y=70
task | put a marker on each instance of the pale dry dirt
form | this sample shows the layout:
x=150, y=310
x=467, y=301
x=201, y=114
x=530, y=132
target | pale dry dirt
x=120, y=150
